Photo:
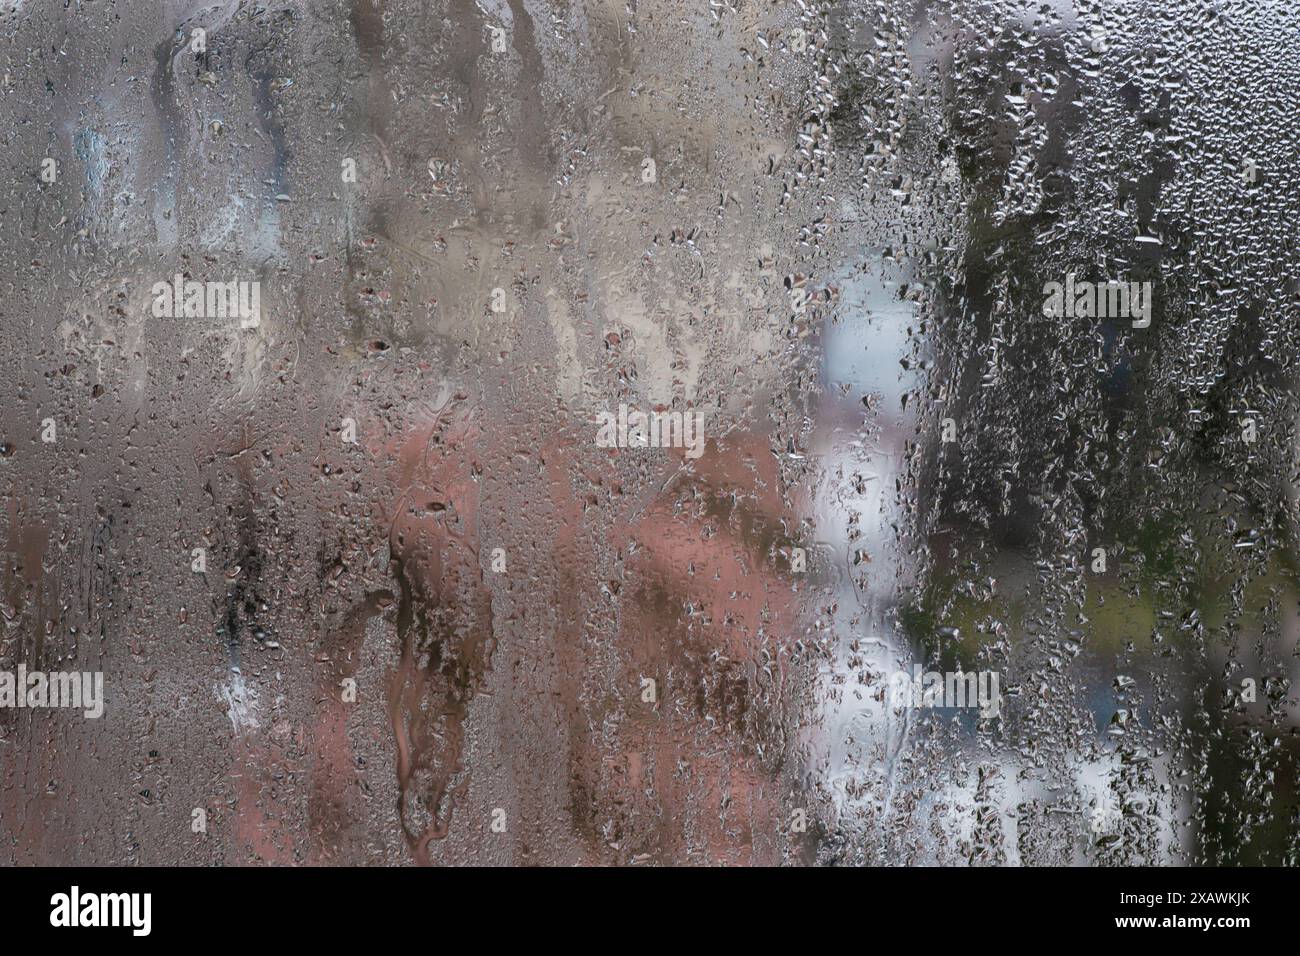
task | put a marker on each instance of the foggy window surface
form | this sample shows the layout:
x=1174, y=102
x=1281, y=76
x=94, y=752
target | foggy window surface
x=649, y=433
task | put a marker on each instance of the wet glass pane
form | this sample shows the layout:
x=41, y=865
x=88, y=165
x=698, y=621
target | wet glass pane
x=657, y=432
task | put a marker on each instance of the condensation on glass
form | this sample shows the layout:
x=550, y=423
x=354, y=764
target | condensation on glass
x=650, y=433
